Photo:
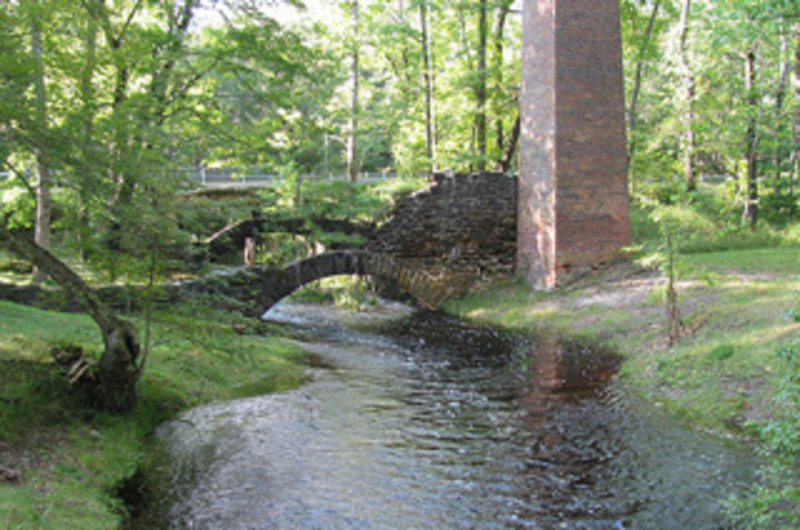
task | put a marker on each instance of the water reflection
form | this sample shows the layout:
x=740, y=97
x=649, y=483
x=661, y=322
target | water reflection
x=432, y=423
x=569, y=368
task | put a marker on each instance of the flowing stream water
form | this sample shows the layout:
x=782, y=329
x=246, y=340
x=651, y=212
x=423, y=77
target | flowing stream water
x=424, y=421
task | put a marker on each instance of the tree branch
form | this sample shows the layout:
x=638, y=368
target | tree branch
x=25, y=182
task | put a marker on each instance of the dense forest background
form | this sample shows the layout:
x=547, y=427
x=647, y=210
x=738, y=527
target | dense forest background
x=111, y=99
x=106, y=107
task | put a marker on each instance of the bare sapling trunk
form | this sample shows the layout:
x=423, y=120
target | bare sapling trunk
x=673, y=317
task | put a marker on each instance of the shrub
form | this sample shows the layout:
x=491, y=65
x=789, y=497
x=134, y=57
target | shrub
x=775, y=501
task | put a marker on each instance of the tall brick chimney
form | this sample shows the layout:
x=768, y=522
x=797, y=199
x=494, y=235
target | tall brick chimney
x=573, y=192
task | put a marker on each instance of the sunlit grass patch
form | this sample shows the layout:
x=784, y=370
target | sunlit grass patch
x=781, y=261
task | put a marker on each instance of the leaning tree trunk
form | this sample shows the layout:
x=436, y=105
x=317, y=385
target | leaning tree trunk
x=637, y=85
x=511, y=147
x=117, y=371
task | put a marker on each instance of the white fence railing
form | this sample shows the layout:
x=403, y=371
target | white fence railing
x=237, y=177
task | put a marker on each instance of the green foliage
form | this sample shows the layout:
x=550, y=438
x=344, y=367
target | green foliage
x=720, y=353
x=667, y=231
x=17, y=207
x=779, y=205
x=261, y=62
x=313, y=202
x=348, y=292
x=706, y=220
x=723, y=110
x=717, y=202
x=202, y=216
x=339, y=199
x=681, y=221
x=773, y=503
x=278, y=249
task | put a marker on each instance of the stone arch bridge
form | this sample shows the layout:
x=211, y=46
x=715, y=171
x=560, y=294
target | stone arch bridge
x=262, y=287
x=455, y=234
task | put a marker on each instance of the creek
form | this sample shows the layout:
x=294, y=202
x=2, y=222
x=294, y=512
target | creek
x=419, y=420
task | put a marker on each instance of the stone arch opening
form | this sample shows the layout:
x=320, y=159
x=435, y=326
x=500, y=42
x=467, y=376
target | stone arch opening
x=260, y=288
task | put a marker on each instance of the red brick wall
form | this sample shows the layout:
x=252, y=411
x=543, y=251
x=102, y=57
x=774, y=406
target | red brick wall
x=573, y=208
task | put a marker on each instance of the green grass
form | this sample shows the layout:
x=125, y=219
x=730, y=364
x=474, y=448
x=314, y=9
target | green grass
x=73, y=458
x=780, y=261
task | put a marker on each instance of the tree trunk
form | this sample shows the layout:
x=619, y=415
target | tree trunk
x=797, y=96
x=687, y=86
x=497, y=69
x=428, y=83
x=43, y=202
x=511, y=148
x=125, y=186
x=480, y=87
x=162, y=74
x=352, y=144
x=751, y=137
x=780, y=96
x=117, y=371
x=87, y=117
x=637, y=84
x=466, y=50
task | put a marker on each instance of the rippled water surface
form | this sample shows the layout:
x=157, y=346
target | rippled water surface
x=427, y=422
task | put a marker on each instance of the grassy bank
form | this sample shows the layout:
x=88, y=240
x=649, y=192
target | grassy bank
x=721, y=374
x=65, y=460
x=70, y=460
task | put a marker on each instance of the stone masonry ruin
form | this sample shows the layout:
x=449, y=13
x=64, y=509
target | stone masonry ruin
x=457, y=233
